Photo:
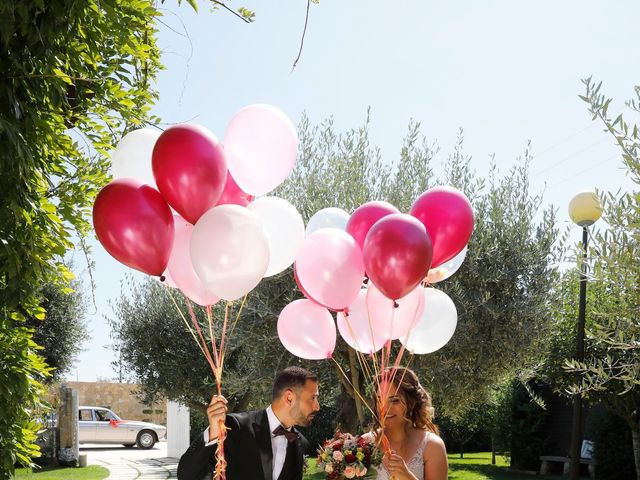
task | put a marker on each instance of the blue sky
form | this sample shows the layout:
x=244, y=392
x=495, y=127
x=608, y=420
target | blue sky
x=505, y=71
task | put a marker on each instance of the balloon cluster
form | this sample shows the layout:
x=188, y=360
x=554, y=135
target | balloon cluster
x=219, y=241
x=371, y=267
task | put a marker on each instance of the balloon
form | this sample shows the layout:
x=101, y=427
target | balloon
x=327, y=218
x=132, y=156
x=448, y=216
x=394, y=322
x=365, y=216
x=168, y=280
x=330, y=268
x=302, y=290
x=358, y=330
x=190, y=169
x=229, y=251
x=436, y=325
x=181, y=268
x=261, y=145
x=447, y=269
x=397, y=254
x=285, y=231
x=307, y=330
x=232, y=194
x=135, y=225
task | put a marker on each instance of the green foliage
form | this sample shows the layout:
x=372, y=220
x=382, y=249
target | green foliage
x=75, y=77
x=527, y=419
x=21, y=370
x=63, y=330
x=613, y=450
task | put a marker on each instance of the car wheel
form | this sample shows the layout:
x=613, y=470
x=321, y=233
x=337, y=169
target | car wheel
x=146, y=439
x=128, y=445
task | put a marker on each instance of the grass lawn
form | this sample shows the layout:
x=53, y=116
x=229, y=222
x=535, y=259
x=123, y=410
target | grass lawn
x=475, y=466
x=56, y=473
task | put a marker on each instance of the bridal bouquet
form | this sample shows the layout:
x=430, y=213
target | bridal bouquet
x=345, y=456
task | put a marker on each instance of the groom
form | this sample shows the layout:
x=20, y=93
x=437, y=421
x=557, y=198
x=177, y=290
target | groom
x=263, y=444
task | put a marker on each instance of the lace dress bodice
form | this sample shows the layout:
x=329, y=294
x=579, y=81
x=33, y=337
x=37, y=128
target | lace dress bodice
x=415, y=464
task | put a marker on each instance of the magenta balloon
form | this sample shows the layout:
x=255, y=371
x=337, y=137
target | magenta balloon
x=448, y=216
x=394, y=322
x=190, y=169
x=357, y=328
x=397, y=254
x=135, y=225
x=307, y=330
x=330, y=268
x=232, y=194
x=365, y=216
x=181, y=268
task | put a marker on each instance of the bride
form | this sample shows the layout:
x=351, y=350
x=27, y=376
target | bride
x=417, y=452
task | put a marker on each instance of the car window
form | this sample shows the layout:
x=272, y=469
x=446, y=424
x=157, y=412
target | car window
x=85, y=415
x=105, y=415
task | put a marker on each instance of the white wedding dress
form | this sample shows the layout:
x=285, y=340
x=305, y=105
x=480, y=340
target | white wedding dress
x=415, y=464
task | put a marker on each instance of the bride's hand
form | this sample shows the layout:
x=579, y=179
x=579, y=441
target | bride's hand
x=397, y=467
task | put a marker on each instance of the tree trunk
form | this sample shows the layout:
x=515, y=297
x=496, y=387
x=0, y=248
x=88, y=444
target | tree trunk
x=635, y=435
x=493, y=452
x=355, y=381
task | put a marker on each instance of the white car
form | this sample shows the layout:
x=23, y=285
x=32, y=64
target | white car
x=101, y=425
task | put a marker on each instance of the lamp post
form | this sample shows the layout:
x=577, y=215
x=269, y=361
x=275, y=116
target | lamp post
x=584, y=209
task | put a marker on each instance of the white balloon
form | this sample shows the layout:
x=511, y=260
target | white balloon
x=444, y=271
x=436, y=325
x=229, y=251
x=328, y=218
x=132, y=156
x=285, y=231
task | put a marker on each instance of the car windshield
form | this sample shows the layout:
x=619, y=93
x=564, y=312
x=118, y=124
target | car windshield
x=106, y=415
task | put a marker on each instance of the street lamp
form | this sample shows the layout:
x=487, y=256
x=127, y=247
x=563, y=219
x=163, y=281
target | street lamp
x=584, y=209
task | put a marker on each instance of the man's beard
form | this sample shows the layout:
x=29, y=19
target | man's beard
x=301, y=419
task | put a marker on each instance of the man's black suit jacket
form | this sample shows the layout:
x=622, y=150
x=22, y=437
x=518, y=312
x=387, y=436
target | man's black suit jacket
x=247, y=450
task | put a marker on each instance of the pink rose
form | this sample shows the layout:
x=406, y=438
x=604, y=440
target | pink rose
x=337, y=456
x=361, y=471
x=349, y=472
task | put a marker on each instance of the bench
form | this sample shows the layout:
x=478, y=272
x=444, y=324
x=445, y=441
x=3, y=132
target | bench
x=547, y=460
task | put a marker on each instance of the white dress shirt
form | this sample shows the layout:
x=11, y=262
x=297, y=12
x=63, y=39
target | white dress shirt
x=278, y=443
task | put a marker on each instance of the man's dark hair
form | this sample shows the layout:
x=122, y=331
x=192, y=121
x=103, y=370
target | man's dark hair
x=291, y=378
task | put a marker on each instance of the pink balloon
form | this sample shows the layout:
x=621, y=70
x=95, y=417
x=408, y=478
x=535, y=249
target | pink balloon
x=357, y=328
x=395, y=322
x=448, y=216
x=181, y=268
x=261, y=145
x=168, y=280
x=307, y=330
x=134, y=224
x=301, y=288
x=330, y=268
x=397, y=254
x=365, y=216
x=190, y=169
x=232, y=194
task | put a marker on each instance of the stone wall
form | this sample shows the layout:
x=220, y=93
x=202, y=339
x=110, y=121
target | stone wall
x=119, y=397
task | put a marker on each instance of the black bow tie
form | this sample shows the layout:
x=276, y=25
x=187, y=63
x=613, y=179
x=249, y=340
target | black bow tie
x=291, y=435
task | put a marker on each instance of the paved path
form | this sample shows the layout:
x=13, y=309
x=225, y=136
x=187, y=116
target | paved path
x=132, y=463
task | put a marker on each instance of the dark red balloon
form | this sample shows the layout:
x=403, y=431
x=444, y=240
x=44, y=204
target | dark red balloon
x=397, y=254
x=190, y=169
x=135, y=225
x=365, y=216
x=232, y=194
x=448, y=216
